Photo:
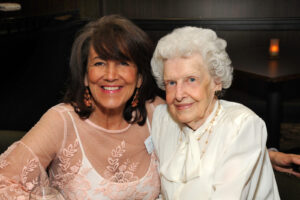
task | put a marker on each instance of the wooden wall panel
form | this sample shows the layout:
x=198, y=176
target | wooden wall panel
x=215, y=10
x=240, y=33
x=90, y=9
x=43, y=7
x=202, y=8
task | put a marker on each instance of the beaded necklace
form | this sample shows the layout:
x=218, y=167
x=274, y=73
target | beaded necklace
x=208, y=130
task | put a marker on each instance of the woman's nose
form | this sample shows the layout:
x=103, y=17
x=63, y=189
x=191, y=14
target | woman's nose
x=179, y=95
x=111, y=71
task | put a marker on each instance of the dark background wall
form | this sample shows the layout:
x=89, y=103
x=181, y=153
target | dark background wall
x=36, y=60
x=215, y=9
x=187, y=9
x=87, y=8
x=149, y=9
x=202, y=8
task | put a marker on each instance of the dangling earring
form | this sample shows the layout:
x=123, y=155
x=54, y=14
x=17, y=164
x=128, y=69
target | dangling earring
x=87, y=98
x=218, y=93
x=135, y=99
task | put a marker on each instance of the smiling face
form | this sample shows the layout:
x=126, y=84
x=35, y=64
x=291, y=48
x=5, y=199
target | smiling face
x=111, y=82
x=189, y=89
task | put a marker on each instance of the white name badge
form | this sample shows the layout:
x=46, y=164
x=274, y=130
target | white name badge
x=149, y=144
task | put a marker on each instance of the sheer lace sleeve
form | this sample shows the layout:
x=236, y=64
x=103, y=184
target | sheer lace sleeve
x=20, y=172
x=23, y=164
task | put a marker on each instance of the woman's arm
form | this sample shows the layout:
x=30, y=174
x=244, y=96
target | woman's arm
x=20, y=172
x=23, y=165
x=284, y=162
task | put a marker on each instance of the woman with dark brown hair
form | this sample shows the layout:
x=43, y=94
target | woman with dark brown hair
x=95, y=145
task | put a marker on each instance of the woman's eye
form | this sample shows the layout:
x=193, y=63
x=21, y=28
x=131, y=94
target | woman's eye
x=124, y=63
x=192, y=79
x=99, y=64
x=171, y=83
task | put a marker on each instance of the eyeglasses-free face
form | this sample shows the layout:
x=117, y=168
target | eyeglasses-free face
x=111, y=82
x=190, y=89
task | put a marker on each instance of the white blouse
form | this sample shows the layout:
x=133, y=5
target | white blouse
x=226, y=158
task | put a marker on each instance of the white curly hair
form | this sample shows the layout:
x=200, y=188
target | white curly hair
x=185, y=41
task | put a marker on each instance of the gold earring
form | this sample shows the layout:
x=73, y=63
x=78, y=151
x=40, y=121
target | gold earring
x=218, y=93
x=135, y=99
x=87, y=98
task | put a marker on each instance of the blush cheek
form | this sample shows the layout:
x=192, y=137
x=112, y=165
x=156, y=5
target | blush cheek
x=93, y=74
x=130, y=74
x=172, y=111
x=169, y=97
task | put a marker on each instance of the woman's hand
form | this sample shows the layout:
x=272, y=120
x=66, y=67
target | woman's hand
x=283, y=162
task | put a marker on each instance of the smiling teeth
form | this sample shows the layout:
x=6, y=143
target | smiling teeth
x=111, y=88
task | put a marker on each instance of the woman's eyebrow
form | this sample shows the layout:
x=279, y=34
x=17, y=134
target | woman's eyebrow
x=96, y=57
x=177, y=78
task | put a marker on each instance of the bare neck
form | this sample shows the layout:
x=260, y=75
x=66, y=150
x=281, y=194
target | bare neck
x=109, y=119
x=197, y=124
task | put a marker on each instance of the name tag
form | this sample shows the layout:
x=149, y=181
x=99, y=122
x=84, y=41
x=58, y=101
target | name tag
x=149, y=145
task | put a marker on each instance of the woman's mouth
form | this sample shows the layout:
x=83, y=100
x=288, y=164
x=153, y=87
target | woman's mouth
x=183, y=106
x=111, y=89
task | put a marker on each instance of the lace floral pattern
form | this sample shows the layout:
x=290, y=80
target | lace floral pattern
x=145, y=188
x=30, y=167
x=82, y=182
x=18, y=187
x=65, y=171
x=70, y=170
x=75, y=182
x=3, y=162
x=79, y=186
x=120, y=173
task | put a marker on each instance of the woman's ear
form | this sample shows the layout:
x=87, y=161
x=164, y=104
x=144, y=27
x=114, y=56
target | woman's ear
x=218, y=85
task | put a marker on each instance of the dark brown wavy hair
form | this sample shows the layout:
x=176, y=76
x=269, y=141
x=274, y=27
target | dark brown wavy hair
x=113, y=38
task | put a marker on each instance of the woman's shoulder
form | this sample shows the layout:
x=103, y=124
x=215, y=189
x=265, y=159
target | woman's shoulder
x=56, y=113
x=152, y=105
x=53, y=124
x=238, y=121
x=161, y=110
x=238, y=115
x=62, y=107
x=237, y=110
x=161, y=115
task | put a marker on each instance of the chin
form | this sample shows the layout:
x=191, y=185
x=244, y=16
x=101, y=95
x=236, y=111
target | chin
x=111, y=105
x=114, y=107
x=183, y=119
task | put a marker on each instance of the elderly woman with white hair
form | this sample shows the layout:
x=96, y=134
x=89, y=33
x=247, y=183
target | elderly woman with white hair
x=208, y=148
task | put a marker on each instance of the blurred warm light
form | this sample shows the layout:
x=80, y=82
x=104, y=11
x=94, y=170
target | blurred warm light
x=274, y=47
x=273, y=67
